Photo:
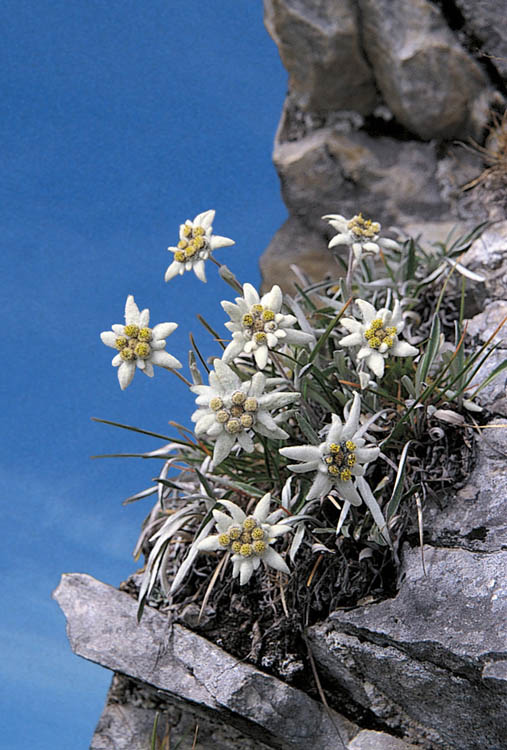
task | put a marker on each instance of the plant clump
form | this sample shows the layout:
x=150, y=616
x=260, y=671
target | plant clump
x=327, y=423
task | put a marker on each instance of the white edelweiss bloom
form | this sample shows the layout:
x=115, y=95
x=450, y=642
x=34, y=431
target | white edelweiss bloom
x=195, y=246
x=247, y=537
x=257, y=325
x=231, y=409
x=377, y=336
x=362, y=235
x=138, y=345
x=339, y=460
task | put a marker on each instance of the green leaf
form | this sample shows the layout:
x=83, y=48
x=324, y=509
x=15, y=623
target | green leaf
x=136, y=429
x=409, y=386
x=487, y=380
x=411, y=262
x=307, y=429
x=394, y=501
x=429, y=355
x=320, y=343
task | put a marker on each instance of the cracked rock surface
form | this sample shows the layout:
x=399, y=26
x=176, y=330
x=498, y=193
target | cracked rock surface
x=382, y=94
x=102, y=627
x=437, y=652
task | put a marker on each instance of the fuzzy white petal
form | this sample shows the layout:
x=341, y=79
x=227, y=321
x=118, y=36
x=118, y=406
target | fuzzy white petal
x=126, y=372
x=275, y=560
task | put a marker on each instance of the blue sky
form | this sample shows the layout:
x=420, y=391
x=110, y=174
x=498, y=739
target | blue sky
x=120, y=121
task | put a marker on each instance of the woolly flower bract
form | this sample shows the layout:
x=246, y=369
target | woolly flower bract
x=258, y=326
x=249, y=538
x=138, y=345
x=195, y=246
x=362, y=235
x=340, y=459
x=377, y=336
x=230, y=409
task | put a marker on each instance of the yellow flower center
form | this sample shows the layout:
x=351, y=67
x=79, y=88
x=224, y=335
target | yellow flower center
x=193, y=240
x=145, y=334
x=246, y=550
x=224, y=540
x=246, y=420
x=131, y=331
x=143, y=350
x=257, y=322
x=237, y=416
x=249, y=523
x=233, y=426
x=127, y=354
x=259, y=547
x=339, y=458
x=251, y=404
x=120, y=343
x=363, y=228
x=376, y=334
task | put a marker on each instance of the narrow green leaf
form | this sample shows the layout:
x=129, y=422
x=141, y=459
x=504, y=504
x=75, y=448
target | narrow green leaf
x=320, y=343
x=492, y=375
x=135, y=429
x=411, y=263
x=394, y=501
x=307, y=429
x=429, y=355
x=211, y=330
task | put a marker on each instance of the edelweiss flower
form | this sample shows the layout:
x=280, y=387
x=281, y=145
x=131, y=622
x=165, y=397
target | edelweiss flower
x=342, y=457
x=247, y=537
x=195, y=246
x=377, y=336
x=257, y=325
x=230, y=409
x=362, y=235
x=138, y=345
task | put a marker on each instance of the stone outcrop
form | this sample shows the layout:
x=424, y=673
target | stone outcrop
x=382, y=95
x=320, y=46
x=437, y=652
x=102, y=627
x=378, y=92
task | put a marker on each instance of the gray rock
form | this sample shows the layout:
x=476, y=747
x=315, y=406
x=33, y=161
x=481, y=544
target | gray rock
x=485, y=20
x=426, y=78
x=488, y=257
x=295, y=244
x=132, y=708
x=431, y=650
x=368, y=740
x=102, y=627
x=475, y=518
x=320, y=48
x=494, y=394
x=331, y=172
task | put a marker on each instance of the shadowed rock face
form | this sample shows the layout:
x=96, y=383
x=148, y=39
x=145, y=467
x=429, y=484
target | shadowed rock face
x=380, y=93
x=102, y=627
x=437, y=652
